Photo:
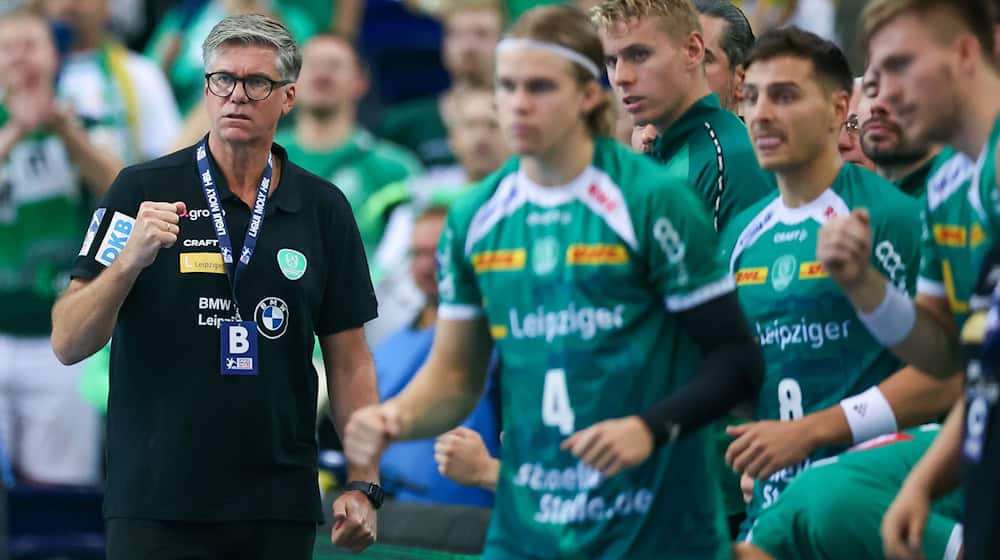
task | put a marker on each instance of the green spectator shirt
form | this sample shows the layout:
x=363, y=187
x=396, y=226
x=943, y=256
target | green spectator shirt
x=581, y=285
x=709, y=148
x=419, y=127
x=816, y=349
x=43, y=209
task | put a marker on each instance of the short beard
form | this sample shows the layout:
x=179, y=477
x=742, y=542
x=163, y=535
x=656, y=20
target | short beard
x=897, y=158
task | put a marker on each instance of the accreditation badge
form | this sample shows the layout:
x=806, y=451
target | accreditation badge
x=238, y=344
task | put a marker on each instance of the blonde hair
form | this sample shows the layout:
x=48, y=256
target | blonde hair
x=569, y=27
x=678, y=18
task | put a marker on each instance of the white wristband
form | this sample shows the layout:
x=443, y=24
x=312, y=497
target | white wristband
x=869, y=415
x=891, y=322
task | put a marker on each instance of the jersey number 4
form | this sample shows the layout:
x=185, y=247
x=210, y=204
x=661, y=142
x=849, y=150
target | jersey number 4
x=556, y=410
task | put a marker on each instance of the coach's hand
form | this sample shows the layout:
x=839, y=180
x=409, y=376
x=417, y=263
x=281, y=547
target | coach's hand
x=613, y=445
x=369, y=431
x=903, y=524
x=764, y=448
x=156, y=227
x=355, y=523
x=844, y=246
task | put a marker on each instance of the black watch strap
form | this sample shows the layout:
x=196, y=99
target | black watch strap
x=370, y=489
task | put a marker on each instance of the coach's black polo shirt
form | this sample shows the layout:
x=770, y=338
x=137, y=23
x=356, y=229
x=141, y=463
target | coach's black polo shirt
x=184, y=442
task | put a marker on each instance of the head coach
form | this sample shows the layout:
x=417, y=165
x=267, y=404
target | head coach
x=212, y=406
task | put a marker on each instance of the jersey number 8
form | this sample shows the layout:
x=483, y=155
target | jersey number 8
x=789, y=399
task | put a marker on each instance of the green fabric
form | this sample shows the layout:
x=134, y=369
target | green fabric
x=320, y=11
x=187, y=75
x=709, y=147
x=915, y=184
x=360, y=166
x=94, y=382
x=955, y=237
x=573, y=281
x=516, y=8
x=816, y=349
x=418, y=126
x=326, y=551
x=43, y=212
x=835, y=509
x=729, y=481
x=988, y=187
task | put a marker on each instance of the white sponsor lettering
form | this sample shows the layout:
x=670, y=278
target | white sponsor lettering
x=788, y=236
x=115, y=238
x=194, y=215
x=201, y=242
x=548, y=217
x=95, y=224
x=585, y=322
x=557, y=510
x=213, y=320
x=214, y=304
x=816, y=335
x=892, y=263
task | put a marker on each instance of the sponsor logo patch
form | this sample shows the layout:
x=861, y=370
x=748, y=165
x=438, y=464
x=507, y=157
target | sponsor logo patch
x=95, y=223
x=597, y=254
x=751, y=276
x=292, y=263
x=115, y=239
x=507, y=259
x=783, y=271
x=271, y=316
x=209, y=263
x=949, y=236
x=810, y=270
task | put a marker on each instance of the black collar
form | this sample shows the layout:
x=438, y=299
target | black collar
x=286, y=196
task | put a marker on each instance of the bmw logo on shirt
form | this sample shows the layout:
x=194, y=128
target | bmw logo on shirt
x=271, y=317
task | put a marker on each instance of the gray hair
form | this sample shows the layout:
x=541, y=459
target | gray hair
x=738, y=38
x=254, y=30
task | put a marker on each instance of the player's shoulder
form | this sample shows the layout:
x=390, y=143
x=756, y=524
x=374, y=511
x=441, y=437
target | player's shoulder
x=752, y=221
x=485, y=198
x=637, y=176
x=950, y=171
x=859, y=187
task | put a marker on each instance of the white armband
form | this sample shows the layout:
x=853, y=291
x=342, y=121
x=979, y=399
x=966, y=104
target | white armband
x=869, y=415
x=891, y=322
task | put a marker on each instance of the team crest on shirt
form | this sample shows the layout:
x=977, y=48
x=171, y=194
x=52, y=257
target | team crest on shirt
x=271, y=317
x=292, y=263
x=544, y=255
x=782, y=272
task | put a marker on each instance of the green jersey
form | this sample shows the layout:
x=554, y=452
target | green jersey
x=359, y=167
x=816, y=349
x=915, y=184
x=834, y=509
x=708, y=147
x=956, y=234
x=573, y=281
x=418, y=126
x=985, y=179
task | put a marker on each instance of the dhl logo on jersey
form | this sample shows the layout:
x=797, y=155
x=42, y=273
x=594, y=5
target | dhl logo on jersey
x=949, y=236
x=810, y=270
x=505, y=259
x=596, y=254
x=751, y=276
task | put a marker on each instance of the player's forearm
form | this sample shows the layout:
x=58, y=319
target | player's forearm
x=84, y=319
x=489, y=475
x=351, y=385
x=938, y=472
x=436, y=401
x=97, y=167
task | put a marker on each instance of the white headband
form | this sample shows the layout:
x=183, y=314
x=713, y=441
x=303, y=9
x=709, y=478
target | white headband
x=568, y=54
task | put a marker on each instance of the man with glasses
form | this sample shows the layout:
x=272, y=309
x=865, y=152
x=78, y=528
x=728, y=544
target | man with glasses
x=849, y=142
x=211, y=445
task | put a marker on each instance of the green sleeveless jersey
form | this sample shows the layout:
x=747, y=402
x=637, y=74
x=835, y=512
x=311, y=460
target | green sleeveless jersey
x=581, y=285
x=956, y=234
x=43, y=208
x=816, y=349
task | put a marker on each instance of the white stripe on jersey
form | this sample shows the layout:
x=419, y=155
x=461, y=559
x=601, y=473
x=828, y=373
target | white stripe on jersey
x=947, y=179
x=606, y=200
x=974, y=198
x=931, y=288
x=825, y=206
x=708, y=292
x=459, y=312
x=504, y=202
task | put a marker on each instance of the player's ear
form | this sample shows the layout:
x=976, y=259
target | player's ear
x=289, y=101
x=841, y=101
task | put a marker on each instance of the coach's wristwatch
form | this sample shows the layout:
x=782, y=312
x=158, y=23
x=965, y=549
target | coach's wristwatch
x=370, y=489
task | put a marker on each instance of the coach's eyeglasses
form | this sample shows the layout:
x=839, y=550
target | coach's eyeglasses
x=853, y=125
x=257, y=88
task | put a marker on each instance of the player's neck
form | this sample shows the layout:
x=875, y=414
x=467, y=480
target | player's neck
x=565, y=162
x=976, y=122
x=805, y=184
x=242, y=165
x=901, y=171
x=321, y=130
x=698, y=91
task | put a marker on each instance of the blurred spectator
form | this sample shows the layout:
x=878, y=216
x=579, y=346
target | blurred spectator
x=176, y=41
x=408, y=468
x=474, y=134
x=326, y=139
x=340, y=17
x=849, y=143
x=121, y=97
x=49, y=172
x=728, y=39
x=472, y=29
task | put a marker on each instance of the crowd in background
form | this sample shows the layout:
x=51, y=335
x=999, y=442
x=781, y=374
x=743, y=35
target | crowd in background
x=90, y=86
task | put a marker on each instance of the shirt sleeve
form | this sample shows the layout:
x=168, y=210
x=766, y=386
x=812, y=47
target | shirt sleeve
x=896, y=243
x=348, y=298
x=930, y=280
x=679, y=243
x=458, y=290
x=110, y=227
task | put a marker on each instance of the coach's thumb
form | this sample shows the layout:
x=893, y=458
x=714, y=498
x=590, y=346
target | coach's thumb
x=182, y=208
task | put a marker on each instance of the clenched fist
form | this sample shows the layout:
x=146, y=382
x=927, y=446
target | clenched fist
x=845, y=246
x=369, y=431
x=156, y=227
x=462, y=457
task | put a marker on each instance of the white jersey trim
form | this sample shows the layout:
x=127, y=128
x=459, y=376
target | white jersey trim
x=955, y=541
x=948, y=179
x=504, y=202
x=825, y=206
x=606, y=199
x=459, y=311
x=974, y=198
x=708, y=292
x=931, y=288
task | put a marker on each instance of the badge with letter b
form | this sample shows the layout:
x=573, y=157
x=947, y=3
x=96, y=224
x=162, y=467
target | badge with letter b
x=238, y=347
